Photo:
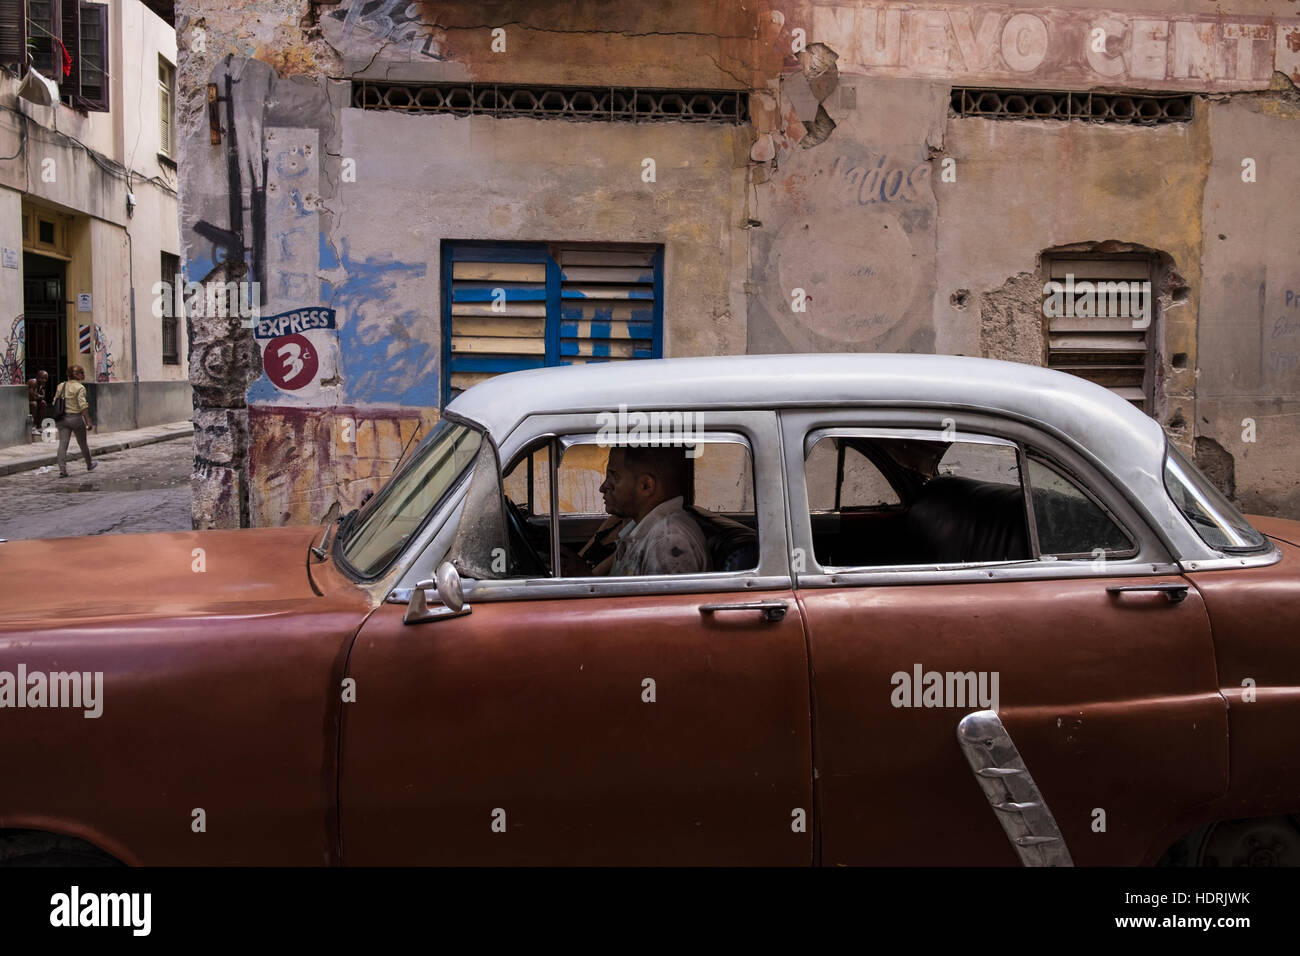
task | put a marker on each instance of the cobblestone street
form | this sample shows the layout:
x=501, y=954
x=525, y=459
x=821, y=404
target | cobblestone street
x=140, y=489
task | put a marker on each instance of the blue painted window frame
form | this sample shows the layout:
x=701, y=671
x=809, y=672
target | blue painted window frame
x=478, y=250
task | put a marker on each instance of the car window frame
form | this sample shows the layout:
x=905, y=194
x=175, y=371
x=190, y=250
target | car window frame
x=1033, y=454
x=1151, y=558
x=761, y=430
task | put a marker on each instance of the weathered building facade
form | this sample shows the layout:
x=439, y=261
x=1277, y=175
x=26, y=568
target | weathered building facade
x=88, y=211
x=431, y=193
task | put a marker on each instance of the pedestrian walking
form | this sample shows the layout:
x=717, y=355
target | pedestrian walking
x=75, y=419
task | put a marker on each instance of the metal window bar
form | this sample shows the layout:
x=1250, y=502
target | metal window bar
x=601, y=104
x=1142, y=109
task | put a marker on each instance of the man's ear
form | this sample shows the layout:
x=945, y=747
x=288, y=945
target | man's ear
x=646, y=484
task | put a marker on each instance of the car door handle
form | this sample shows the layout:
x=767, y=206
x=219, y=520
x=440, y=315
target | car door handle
x=1175, y=592
x=772, y=610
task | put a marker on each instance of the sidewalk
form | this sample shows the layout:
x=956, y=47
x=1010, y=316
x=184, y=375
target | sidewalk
x=37, y=454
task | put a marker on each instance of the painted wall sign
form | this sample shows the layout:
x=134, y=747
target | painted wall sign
x=997, y=43
x=83, y=339
x=83, y=302
x=299, y=320
x=290, y=362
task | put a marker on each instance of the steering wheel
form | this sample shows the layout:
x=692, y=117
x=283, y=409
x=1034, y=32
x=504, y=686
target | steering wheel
x=525, y=558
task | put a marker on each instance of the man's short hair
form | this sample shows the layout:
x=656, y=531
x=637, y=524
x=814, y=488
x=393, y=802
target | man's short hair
x=668, y=466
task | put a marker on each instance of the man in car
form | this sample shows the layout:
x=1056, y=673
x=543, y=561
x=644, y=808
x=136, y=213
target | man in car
x=647, y=485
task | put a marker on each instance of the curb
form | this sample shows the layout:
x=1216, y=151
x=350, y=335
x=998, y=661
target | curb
x=31, y=464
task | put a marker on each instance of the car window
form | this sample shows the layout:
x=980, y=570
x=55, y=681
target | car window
x=383, y=527
x=1218, y=523
x=709, y=525
x=1069, y=522
x=943, y=502
x=840, y=477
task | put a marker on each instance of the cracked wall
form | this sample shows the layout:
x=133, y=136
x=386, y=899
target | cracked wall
x=827, y=224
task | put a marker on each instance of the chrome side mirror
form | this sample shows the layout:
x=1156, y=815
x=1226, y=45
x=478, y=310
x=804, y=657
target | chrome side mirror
x=449, y=589
x=447, y=582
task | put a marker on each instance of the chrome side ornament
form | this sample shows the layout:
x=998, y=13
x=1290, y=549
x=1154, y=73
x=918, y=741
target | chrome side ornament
x=1011, y=791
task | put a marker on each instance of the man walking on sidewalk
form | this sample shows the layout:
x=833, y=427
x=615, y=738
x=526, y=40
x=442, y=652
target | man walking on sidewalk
x=76, y=418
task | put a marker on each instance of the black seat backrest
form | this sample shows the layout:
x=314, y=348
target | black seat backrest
x=956, y=519
x=732, y=545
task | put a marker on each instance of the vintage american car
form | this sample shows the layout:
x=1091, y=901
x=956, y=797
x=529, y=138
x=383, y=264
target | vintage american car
x=956, y=611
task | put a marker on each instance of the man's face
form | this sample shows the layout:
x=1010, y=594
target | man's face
x=42, y=377
x=621, y=488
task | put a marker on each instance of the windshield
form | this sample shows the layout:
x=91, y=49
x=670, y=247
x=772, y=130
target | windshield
x=380, y=532
x=1219, y=524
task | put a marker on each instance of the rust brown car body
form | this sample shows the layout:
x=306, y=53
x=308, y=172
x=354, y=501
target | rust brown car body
x=226, y=657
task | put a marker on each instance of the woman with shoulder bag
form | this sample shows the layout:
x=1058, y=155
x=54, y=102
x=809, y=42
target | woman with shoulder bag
x=75, y=417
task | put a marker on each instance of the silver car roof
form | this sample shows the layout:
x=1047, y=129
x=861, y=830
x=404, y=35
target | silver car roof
x=1119, y=437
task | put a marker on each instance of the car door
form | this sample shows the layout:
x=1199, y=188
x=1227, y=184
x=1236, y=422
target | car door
x=1109, y=695
x=652, y=720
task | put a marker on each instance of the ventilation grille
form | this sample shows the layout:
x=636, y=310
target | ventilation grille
x=1106, y=351
x=608, y=104
x=1138, y=109
x=607, y=304
x=488, y=340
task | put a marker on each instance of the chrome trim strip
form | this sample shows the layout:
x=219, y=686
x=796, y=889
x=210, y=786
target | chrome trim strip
x=543, y=589
x=1018, y=804
x=1232, y=562
x=970, y=573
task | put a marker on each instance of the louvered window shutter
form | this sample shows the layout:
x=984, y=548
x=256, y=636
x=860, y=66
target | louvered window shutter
x=13, y=35
x=165, y=75
x=607, y=304
x=498, y=318
x=1106, y=350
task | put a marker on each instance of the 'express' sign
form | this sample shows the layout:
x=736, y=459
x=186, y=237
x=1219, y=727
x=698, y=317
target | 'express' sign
x=289, y=323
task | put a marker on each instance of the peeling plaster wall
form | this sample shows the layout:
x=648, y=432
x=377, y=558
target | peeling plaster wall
x=852, y=223
x=369, y=248
x=1028, y=186
x=823, y=226
x=1250, y=312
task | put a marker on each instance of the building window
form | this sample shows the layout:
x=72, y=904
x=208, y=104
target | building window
x=518, y=306
x=85, y=35
x=65, y=40
x=171, y=352
x=166, y=96
x=1100, y=317
x=44, y=231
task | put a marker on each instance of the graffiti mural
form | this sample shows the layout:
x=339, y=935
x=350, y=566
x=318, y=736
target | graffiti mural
x=103, y=357
x=395, y=23
x=12, y=371
x=336, y=329
x=309, y=458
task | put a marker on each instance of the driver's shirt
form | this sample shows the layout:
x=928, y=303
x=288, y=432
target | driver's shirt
x=665, y=541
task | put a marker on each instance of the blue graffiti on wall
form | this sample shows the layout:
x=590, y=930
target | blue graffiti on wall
x=382, y=362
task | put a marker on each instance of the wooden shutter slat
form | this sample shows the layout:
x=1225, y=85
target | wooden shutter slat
x=569, y=256
x=1093, y=270
x=603, y=274
x=522, y=310
x=504, y=327
x=499, y=271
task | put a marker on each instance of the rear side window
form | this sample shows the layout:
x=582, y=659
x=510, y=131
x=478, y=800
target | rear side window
x=1218, y=523
x=1069, y=522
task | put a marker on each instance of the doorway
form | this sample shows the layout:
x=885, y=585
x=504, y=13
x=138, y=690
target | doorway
x=45, y=315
